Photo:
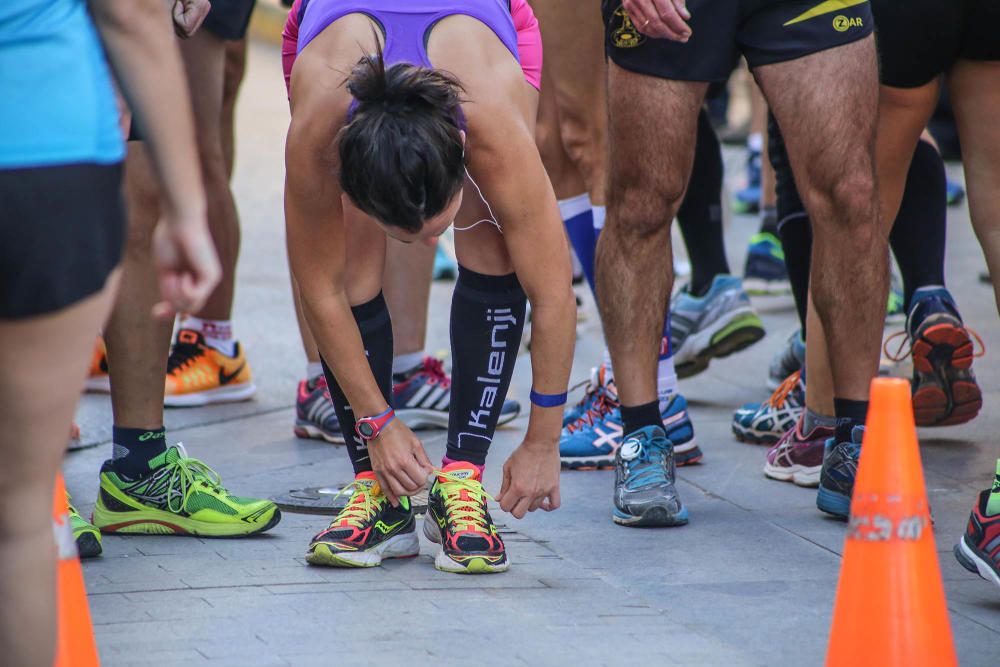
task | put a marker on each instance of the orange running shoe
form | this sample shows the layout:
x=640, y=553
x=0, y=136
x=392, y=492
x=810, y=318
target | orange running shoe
x=198, y=374
x=98, y=382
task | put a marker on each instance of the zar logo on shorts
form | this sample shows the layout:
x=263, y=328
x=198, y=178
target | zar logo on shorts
x=625, y=36
x=842, y=23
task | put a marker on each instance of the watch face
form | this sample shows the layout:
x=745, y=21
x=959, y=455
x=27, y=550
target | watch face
x=366, y=429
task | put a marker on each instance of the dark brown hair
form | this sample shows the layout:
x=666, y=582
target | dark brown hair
x=401, y=153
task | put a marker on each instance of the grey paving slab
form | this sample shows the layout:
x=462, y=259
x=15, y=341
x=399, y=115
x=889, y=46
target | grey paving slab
x=751, y=580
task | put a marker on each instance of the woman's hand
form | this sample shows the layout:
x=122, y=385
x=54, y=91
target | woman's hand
x=399, y=461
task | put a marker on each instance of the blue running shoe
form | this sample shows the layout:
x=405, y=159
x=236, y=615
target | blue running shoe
x=422, y=397
x=645, y=492
x=765, y=423
x=764, y=273
x=713, y=326
x=836, y=479
x=747, y=200
x=445, y=266
x=595, y=388
x=593, y=441
x=955, y=193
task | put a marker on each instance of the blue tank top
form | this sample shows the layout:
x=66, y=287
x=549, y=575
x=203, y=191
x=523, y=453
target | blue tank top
x=58, y=104
x=406, y=22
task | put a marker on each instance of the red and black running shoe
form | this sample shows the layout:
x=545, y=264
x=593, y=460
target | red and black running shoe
x=979, y=549
x=367, y=530
x=458, y=520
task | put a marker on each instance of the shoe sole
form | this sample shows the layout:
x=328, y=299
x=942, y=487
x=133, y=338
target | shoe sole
x=234, y=394
x=419, y=418
x=307, y=431
x=690, y=455
x=803, y=476
x=406, y=545
x=762, y=287
x=106, y=522
x=475, y=564
x=833, y=503
x=975, y=561
x=654, y=517
x=100, y=384
x=729, y=337
x=88, y=545
x=942, y=397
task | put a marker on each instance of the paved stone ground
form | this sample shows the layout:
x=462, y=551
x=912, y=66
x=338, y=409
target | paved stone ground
x=750, y=581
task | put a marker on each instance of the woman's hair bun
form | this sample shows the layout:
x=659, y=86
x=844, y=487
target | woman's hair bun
x=401, y=86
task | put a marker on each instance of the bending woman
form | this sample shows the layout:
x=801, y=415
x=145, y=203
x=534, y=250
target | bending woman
x=384, y=152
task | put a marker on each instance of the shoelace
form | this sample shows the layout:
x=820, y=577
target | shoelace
x=905, y=341
x=644, y=470
x=465, y=500
x=186, y=473
x=603, y=404
x=181, y=356
x=780, y=395
x=435, y=368
x=361, y=507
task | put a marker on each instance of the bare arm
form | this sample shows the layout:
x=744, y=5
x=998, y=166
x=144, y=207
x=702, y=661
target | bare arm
x=143, y=53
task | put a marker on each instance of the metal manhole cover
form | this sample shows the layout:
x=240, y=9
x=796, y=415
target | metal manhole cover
x=324, y=500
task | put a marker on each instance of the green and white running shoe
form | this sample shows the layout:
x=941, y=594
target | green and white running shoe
x=88, y=538
x=180, y=496
x=712, y=326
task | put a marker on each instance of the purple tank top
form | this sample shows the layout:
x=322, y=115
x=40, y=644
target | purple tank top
x=407, y=22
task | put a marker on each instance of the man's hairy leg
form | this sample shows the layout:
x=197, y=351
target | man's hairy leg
x=827, y=106
x=652, y=136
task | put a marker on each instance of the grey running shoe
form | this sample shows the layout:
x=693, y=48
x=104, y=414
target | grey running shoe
x=645, y=494
x=716, y=325
x=789, y=359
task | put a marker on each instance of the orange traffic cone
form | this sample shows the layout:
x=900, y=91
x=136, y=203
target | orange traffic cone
x=75, y=647
x=890, y=609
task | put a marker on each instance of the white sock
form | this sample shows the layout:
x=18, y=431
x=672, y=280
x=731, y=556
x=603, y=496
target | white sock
x=404, y=363
x=574, y=206
x=218, y=334
x=666, y=381
x=755, y=142
x=600, y=212
x=313, y=370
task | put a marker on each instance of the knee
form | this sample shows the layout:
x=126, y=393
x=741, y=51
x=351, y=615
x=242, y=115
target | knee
x=844, y=197
x=637, y=213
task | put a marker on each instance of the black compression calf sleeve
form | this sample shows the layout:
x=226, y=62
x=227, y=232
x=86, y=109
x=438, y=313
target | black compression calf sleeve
x=700, y=214
x=794, y=227
x=487, y=318
x=918, y=233
x=376, y=335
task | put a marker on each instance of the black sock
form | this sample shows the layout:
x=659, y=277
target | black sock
x=133, y=448
x=849, y=414
x=793, y=224
x=376, y=335
x=918, y=233
x=487, y=318
x=700, y=214
x=636, y=417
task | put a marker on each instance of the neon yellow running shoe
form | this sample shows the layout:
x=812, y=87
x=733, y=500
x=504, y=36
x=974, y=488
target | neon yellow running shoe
x=367, y=530
x=180, y=496
x=458, y=520
x=88, y=538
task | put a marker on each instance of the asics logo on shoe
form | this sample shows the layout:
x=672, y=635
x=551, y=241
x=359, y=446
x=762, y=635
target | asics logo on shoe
x=502, y=319
x=630, y=450
x=152, y=435
x=609, y=438
x=226, y=378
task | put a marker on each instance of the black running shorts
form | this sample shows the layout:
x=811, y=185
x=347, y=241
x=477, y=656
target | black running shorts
x=62, y=230
x=918, y=40
x=229, y=19
x=764, y=31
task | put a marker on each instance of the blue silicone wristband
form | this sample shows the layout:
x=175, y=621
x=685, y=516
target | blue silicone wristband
x=548, y=400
